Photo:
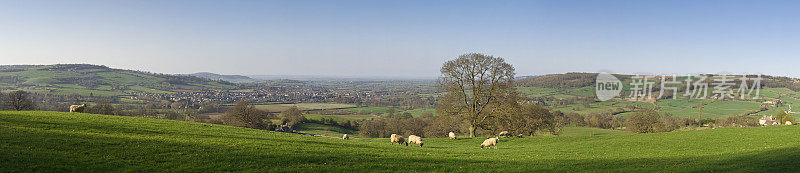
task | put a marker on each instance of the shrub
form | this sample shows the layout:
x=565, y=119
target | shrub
x=738, y=121
x=789, y=118
x=644, y=121
x=172, y=115
x=670, y=123
x=779, y=116
x=101, y=108
x=599, y=120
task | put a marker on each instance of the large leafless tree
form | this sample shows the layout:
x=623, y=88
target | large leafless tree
x=475, y=86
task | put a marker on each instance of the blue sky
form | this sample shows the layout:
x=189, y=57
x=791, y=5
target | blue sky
x=405, y=39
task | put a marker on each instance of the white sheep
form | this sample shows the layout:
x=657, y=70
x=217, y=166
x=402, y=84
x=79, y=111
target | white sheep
x=452, y=135
x=397, y=139
x=77, y=108
x=504, y=134
x=488, y=143
x=414, y=139
x=346, y=137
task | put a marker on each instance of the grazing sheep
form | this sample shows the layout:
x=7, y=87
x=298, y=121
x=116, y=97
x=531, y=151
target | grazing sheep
x=504, y=134
x=488, y=143
x=346, y=137
x=397, y=139
x=77, y=108
x=452, y=135
x=520, y=135
x=414, y=139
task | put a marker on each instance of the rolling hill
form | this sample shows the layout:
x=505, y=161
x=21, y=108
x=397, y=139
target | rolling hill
x=86, y=79
x=77, y=142
x=229, y=78
x=568, y=92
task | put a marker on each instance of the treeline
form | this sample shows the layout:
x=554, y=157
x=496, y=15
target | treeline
x=651, y=121
x=529, y=121
x=568, y=80
x=781, y=82
x=246, y=115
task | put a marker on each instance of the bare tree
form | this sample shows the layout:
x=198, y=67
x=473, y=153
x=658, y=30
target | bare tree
x=293, y=116
x=246, y=115
x=18, y=101
x=474, y=85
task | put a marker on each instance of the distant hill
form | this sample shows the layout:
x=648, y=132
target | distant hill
x=229, y=78
x=339, y=78
x=97, y=80
x=567, y=80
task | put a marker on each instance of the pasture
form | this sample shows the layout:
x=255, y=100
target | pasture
x=76, y=142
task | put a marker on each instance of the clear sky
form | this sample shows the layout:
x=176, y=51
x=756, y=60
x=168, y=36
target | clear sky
x=405, y=38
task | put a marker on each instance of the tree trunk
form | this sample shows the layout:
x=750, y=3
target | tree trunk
x=471, y=130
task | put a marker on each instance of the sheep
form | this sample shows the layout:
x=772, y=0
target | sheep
x=77, y=108
x=488, y=143
x=414, y=139
x=346, y=137
x=397, y=139
x=452, y=135
x=504, y=134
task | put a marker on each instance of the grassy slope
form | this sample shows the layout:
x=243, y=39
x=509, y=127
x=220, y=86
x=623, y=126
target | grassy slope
x=36, y=141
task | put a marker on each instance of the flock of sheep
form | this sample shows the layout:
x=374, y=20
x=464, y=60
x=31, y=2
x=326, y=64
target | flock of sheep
x=416, y=140
x=412, y=139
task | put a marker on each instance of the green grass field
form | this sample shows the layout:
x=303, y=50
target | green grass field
x=588, y=131
x=321, y=129
x=67, y=142
x=419, y=112
x=371, y=110
x=334, y=117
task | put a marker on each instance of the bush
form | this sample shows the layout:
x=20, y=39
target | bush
x=780, y=115
x=101, y=108
x=644, y=121
x=738, y=121
x=575, y=119
x=789, y=118
x=600, y=120
x=210, y=107
x=172, y=115
x=670, y=123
